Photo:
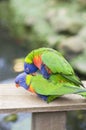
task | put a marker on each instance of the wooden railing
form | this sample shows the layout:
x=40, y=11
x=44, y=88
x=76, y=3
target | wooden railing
x=45, y=116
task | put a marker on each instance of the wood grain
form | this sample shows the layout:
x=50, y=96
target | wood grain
x=14, y=99
x=49, y=121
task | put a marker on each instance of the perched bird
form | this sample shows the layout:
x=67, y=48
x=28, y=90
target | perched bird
x=49, y=61
x=48, y=89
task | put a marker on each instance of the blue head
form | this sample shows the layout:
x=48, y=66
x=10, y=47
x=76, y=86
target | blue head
x=21, y=80
x=30, y=68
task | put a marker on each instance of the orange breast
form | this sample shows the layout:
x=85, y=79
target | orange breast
x=31, y=89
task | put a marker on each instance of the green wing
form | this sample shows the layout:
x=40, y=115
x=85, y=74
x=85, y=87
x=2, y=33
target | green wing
x=74, y=79
x=57, y=63
x=47, y=87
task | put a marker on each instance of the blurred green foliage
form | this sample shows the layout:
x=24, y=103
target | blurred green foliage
x=77, y=120
x=42, y=22
x=11, y=118
x=60, y=24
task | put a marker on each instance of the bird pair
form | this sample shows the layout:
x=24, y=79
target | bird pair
x=48, y=74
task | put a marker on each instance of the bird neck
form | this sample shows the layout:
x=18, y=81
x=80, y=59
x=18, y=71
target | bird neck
x=25, y=86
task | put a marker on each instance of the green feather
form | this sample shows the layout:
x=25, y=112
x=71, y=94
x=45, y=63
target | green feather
x=30, y=56
x=56, y=63
x=51, y=98
x=54, y=87
x=28, y=79
x=73, y=79
x=47, y=87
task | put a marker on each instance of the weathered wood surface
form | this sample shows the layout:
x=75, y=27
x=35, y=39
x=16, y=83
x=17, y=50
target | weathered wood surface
x=19, y=100
x=49, y=121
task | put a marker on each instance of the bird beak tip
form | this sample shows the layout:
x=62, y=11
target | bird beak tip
x=17, y=85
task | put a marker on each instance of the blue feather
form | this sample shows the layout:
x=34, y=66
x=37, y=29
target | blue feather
x=43, y=97
x=30, y=68
x=20, y=79
x=44, y=72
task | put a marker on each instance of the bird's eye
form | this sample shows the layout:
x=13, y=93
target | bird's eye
x=27, y=69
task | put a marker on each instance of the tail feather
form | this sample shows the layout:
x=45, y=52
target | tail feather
x=81, y=92
x=74, y=79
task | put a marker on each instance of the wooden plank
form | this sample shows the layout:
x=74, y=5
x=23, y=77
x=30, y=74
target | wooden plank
x=19, y=100
x=49, y=121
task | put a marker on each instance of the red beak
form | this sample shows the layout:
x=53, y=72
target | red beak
x=17, y=85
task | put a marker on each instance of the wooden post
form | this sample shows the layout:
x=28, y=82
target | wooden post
x=49, y=121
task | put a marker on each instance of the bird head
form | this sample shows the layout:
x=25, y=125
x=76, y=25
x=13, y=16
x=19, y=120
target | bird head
x=30, y=68
x=23, y=80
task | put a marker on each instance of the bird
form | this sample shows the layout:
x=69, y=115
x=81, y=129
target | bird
x=49, y=61
x=48, y=89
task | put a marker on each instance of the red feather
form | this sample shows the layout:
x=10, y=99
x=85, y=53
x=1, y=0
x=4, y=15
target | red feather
x=37, y=61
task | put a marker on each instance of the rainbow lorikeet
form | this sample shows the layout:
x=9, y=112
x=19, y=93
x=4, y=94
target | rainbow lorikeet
x=49, y=61
x=48, y=89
